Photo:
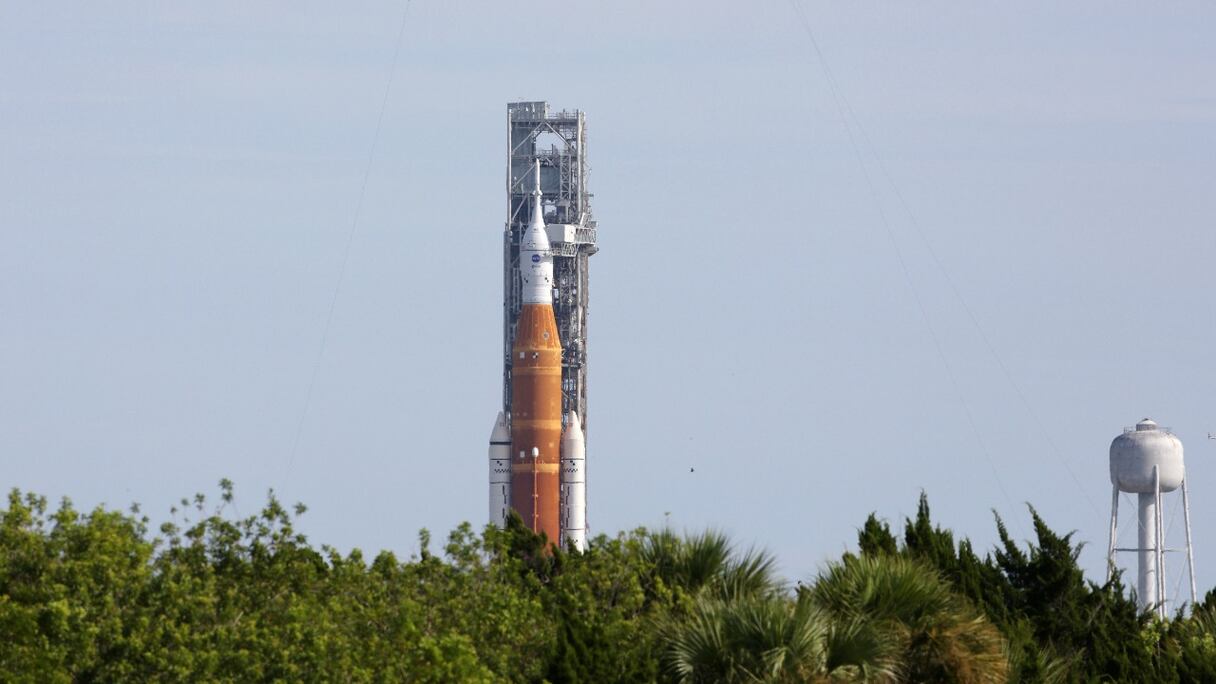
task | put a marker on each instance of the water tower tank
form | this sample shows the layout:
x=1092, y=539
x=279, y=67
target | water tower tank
x=1134, y=453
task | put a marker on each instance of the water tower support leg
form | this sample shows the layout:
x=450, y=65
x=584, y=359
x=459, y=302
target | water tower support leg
x=1114, y=522
x=1146, y=551
x=1190, y=551
x=1160, y=522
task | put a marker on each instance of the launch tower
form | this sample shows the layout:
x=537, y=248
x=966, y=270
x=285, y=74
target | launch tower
x=549, y=224
x=558, y=140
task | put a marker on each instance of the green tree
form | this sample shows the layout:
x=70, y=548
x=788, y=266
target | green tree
x=1060, y=626
x=942, y=637
x=773, y=639
x=215, y=597
x=71, y=588
x=706, y=562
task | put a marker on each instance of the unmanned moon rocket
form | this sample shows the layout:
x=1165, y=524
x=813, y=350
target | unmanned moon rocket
x=538, y=445
x=536, y=385
x=535, y=469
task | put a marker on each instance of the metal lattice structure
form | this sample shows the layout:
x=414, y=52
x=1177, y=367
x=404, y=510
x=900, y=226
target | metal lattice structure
x=559, y=141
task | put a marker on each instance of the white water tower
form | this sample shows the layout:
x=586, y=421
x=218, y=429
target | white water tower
x=1147, y=461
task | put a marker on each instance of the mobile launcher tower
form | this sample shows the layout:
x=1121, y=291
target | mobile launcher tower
x=537, y=446
x=1147, y=461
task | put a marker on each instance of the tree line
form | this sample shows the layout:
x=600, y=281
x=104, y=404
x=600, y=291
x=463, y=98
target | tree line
x=99, y=597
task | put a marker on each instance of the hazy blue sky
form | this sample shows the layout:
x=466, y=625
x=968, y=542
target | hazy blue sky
x=177, y=184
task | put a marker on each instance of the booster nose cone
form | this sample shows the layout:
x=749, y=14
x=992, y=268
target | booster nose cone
x=574, y=431
x=500, y=470
x=501, y=432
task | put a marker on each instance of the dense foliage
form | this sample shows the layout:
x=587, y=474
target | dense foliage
x=1059, y=626
x=99, y=597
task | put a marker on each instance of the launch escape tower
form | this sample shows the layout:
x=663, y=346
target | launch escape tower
x=558, y=140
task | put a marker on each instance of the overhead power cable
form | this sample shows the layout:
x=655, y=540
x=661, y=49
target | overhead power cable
x=350, y=240
x=1059, y=455
x=849, y=120
x=954, y=289
x=941, y=268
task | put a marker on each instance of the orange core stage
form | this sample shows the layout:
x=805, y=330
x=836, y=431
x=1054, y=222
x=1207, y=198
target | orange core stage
x=536, y=419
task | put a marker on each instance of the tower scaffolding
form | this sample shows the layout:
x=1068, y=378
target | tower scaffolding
x=558, y=141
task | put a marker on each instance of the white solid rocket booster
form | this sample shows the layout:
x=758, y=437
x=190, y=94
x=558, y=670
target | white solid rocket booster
x=574, y=485
x=500, y=471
